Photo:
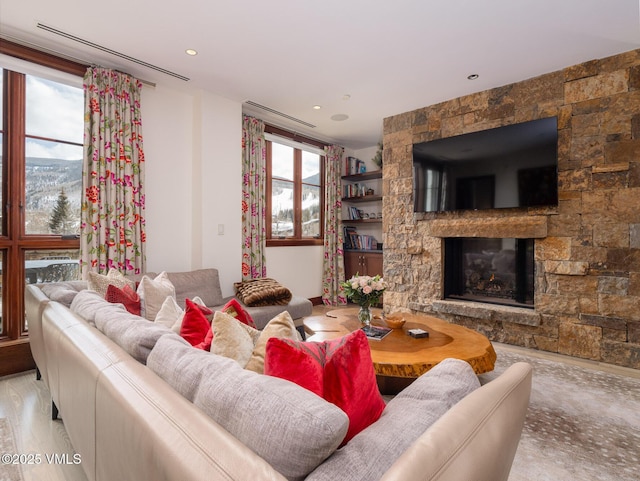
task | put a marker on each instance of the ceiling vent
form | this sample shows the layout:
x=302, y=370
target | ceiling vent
x=111, y=52
x=281, y=114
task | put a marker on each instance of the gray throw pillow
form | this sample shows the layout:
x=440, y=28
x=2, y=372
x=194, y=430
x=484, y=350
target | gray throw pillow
x=371, y=453
x=288, y=426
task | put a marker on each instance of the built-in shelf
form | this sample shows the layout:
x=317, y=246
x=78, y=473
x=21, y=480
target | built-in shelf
x=361, y=221
x=362, y=198
x=374, y=174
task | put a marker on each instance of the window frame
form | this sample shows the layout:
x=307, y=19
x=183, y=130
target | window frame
x=15, y=244
x=296, y=239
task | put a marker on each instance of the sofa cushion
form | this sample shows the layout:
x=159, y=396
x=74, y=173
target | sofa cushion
x=125, y=296
x=152, y=294
x=372, y=452
x=291, y=428
x=86, y=304
x=339, y=370
x=63, y=292
x=100, y=282
x=203, y=283
x=134, y=334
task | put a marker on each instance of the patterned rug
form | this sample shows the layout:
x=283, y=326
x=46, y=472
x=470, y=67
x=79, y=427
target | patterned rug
x=582, y=424
x=8, y=472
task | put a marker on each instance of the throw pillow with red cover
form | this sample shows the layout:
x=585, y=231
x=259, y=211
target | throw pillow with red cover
x=125, y=296
x=195, y=326
x=234, y=309
x=338, y=370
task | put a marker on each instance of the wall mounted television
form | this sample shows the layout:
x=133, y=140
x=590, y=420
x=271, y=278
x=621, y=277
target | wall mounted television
x=505, y=167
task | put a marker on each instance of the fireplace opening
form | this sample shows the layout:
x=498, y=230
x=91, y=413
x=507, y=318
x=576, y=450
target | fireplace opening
x=496, y=271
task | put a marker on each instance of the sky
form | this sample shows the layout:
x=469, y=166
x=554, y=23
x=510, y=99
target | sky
x=61, y=119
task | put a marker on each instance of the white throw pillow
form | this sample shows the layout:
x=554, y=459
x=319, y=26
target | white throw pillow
x=169, y=313
x=153, y=293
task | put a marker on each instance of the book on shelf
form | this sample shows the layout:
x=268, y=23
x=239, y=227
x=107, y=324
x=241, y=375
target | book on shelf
x=355, y=241
x=376, y=333
x=354, y=166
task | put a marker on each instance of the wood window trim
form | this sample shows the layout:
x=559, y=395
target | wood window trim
x=297, y=239
x=15, y=353
x=41, y=58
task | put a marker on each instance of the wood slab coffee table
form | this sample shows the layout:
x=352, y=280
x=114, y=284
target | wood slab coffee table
x=398, y=359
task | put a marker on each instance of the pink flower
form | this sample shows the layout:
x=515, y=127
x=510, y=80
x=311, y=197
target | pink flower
x=367, y=289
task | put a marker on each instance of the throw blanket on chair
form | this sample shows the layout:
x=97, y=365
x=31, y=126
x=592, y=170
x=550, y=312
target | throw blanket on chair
x=262, y=292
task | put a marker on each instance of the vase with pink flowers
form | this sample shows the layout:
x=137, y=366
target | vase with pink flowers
x=366, y=291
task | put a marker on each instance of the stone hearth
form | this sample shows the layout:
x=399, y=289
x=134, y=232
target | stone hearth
x=587, y=249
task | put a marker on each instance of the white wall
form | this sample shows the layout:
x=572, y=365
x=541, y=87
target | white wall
x=193, y=154
x=221, y=183
x=168, y=144
x=192, y=146
x=297, y=267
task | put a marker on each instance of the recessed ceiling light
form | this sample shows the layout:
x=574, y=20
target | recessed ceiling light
x=339, y=117
x=346, y=97
x=473, y=76
x=317, y=107
x=191, y=52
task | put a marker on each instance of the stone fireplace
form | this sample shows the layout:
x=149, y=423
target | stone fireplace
x=585, y=251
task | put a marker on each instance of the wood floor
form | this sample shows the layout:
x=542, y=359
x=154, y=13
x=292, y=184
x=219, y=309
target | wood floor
x=27, y=404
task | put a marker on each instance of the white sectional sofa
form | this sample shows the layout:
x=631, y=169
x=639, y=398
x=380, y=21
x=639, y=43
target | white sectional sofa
x=128, y=413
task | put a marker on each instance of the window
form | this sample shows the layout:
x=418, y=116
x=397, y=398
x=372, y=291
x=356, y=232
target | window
x=295, y=191
x=41, y=142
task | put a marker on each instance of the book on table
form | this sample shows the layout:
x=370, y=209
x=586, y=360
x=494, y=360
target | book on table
x=376, y=333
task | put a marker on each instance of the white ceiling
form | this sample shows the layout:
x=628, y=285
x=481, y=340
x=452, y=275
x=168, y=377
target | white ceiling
x=289, y=55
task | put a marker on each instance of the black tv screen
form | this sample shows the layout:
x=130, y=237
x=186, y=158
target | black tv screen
x=505, y=167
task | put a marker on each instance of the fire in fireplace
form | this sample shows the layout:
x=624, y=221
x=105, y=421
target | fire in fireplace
x=497, y=271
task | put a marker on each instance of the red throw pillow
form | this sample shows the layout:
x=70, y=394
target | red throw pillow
x=339, y=370
x=125, y=296
x=234, y=309
x=206, y=344
x=195, y=326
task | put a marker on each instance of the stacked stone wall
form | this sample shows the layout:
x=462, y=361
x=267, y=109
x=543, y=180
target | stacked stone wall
x=587, y=249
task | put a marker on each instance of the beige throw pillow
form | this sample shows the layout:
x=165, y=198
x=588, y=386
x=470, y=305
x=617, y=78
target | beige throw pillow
x=153, y=293
x=232, y=338
x=281, y=326
x=100, y=282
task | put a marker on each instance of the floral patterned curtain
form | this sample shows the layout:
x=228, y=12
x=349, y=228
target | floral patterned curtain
x=253, y=199
x=333, y=263
x=112, y=218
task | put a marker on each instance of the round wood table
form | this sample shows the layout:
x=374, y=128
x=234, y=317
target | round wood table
x=399, y=358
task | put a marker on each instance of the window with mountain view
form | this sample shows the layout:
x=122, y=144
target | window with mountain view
x=295, y=195
x=41, y=144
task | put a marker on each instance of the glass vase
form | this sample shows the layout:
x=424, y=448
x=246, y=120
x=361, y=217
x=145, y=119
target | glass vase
x=364, y=316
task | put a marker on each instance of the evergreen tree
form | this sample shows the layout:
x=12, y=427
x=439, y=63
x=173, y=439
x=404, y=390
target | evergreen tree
x=60, y=220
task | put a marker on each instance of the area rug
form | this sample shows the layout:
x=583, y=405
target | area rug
x=8, y=471
x=583, y=424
